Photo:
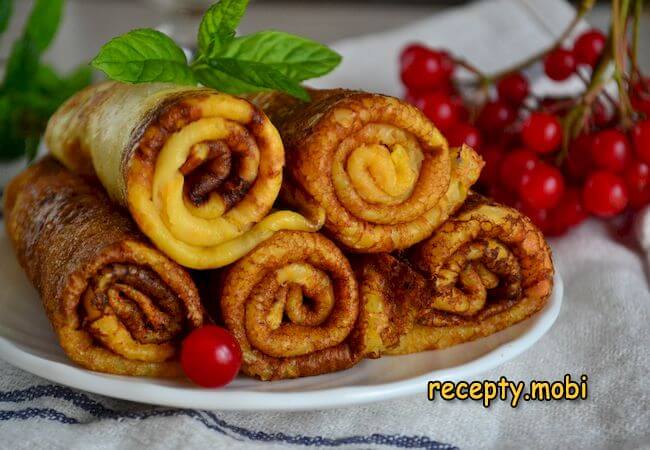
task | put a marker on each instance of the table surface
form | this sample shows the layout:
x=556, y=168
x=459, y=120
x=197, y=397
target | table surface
x=89, y=23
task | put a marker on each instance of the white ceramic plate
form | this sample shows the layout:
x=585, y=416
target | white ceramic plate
x=27, y=341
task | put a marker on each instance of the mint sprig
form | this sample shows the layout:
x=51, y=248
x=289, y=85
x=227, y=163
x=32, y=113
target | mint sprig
x=31, y=91
x=267, y=60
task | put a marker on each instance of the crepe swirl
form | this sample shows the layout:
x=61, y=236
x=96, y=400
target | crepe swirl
x=198, y=170
x=292, y=304
x=485, y=269
x=116, y=304
x=378, y=168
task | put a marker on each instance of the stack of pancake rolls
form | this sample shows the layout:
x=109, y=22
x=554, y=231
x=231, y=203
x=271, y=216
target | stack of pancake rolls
x=328, y=231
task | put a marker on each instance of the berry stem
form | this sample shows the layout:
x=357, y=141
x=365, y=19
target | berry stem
x=620, y=14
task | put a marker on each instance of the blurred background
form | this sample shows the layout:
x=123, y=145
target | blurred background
x=89, y=23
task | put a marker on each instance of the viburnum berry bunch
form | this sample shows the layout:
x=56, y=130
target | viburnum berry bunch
x=558, y=160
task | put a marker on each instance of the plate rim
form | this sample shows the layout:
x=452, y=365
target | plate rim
x=248, y=400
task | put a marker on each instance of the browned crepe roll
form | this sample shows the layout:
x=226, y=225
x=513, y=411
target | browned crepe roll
x=117, y=304
x=485, y=269
x=376, y=166
x=292, y=304
x=198, y=170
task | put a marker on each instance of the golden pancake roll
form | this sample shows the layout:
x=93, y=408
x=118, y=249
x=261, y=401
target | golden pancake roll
x=376, y=166
x=292, y=304
x=198, y=170
x=117, y=305
x=485, y=269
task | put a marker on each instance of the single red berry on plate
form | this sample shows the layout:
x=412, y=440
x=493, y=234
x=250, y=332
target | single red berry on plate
x=210, y=356
x=569, y=211
x=641, y=139
x=604, y=194
x=423, y=68
x=544, y=187
x=640, y=96
x=579, y=162
x=637, y=179
x=542, y=132
x=559, y=64
x=495, y=116
x=589, y=46
x=492, y=155
x=516, y=167
x=464, y=133
x=513, y=88
x=440, y=109
x=610, y=150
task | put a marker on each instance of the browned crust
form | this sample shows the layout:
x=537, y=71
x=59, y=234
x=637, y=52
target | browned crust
x=409, y=286
x=65, y=232
x=246, y=281
x=311, y=134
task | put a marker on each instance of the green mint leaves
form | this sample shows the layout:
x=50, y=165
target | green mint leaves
x=144, y=55
x=268, y=60
x=31, y=91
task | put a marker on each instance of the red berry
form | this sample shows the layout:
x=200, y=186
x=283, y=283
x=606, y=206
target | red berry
x=604, y=194
x=579, y=162
x=641, y=139
x=423, y=68
x=542, y=132
x=448, y=64
x=602, y=115
x=516, y=167
x=589, y=46
x=414, y=98
x=495, y=116
x=492, y=156
x=540, y=217
x=440, y=109
x=637, y=179
x=559, y=64
x=502, y=195
x=640, y=96
x=513, y=88
x=544, y=187
x=210, y=356
x=569, y=212
x=411, y=51
x=462, y=111
x=464, y=133
x=611, y=150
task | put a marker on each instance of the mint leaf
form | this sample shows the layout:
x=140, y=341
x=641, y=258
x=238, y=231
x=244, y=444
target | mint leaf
x=22, y=65
x=144, y=55
x=258, y=74
x=6, y=7
x=221, y=81
x=43, y=22
x=219, y=23
x=296, y=57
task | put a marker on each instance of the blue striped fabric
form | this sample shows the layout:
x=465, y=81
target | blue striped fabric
x=209, y=419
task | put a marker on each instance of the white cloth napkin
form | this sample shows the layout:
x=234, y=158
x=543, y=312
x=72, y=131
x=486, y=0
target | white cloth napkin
x=602, y=330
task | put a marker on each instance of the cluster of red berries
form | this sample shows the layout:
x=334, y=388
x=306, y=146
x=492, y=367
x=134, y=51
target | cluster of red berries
x=605, y=170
